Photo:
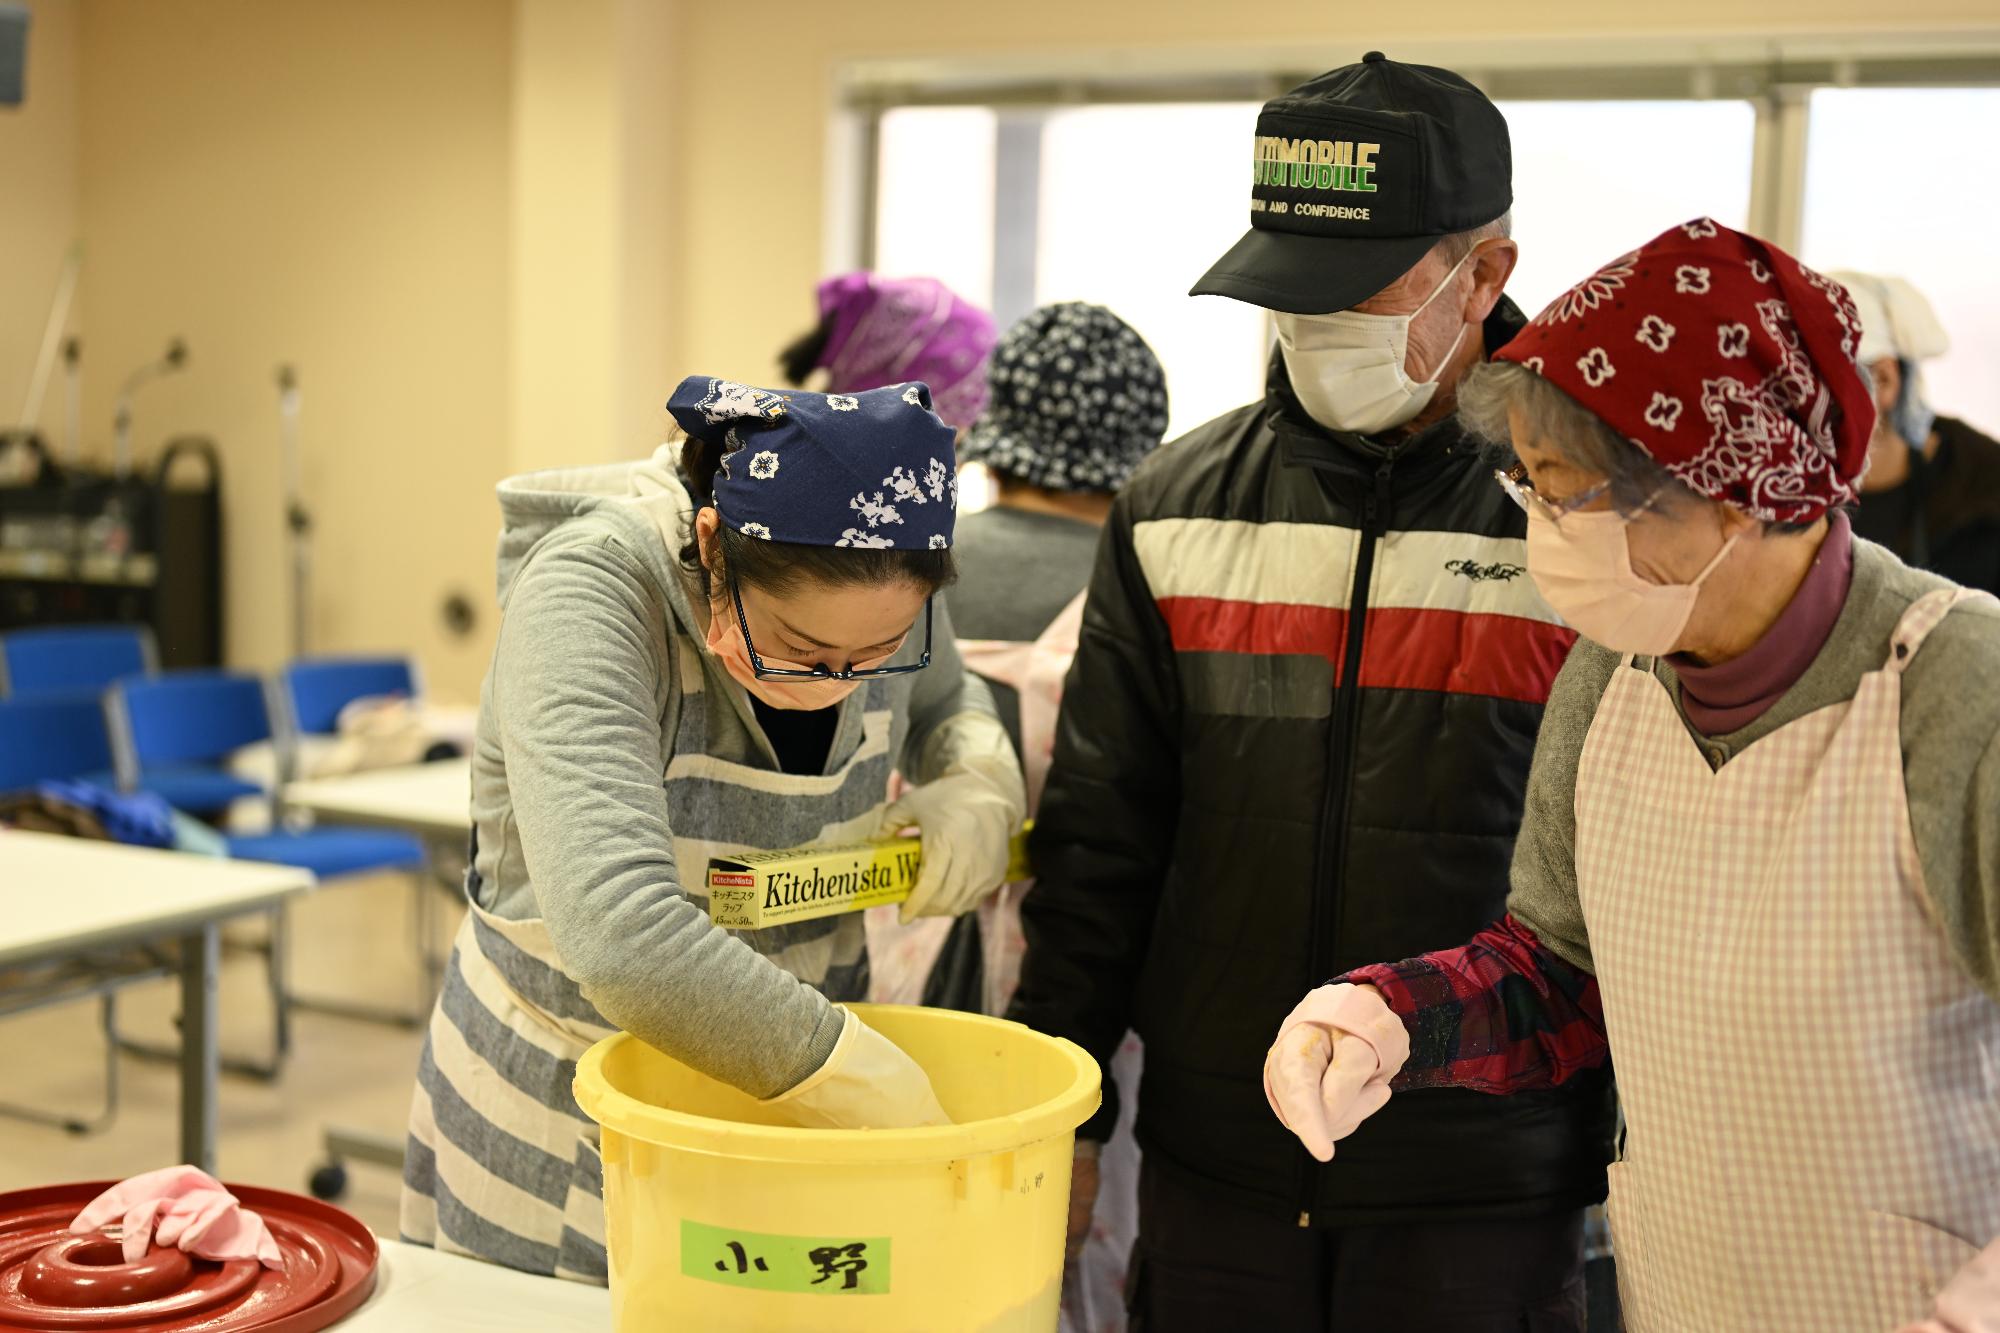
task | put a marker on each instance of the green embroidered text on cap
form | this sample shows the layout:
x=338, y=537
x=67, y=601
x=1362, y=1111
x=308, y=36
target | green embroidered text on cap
x=1315, y=164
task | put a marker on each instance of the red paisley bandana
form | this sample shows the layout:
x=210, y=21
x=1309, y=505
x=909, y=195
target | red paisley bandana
x=1725, y=359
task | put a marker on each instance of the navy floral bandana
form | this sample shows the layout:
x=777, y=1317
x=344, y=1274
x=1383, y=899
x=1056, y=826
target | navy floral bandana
x=869, y=469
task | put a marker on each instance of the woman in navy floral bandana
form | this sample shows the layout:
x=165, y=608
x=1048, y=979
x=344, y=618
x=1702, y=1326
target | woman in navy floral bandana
x=726, y=648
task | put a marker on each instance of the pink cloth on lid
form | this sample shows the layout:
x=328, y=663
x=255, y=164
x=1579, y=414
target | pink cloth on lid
x=180, y=1206
x=1731, y=695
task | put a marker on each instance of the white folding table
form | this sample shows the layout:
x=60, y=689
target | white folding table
x=418, y=1290
x=433, y=801
x=64, y=897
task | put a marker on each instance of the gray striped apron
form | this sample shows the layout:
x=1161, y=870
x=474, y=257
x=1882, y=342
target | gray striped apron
x=502, y=1165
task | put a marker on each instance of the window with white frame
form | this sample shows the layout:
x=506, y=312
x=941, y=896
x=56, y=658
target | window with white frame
x=934, y=192
x=1092, y=237
x=1595, y=179
x=1023, y=202
x=1137, y=247
x=1898, y=183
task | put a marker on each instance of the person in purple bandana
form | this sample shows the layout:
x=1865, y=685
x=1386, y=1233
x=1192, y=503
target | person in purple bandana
x=875, y=331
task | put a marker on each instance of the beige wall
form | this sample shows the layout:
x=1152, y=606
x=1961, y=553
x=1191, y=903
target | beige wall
x=324, y=184
x=38, y=166
x=453, y=216
x=593, y=229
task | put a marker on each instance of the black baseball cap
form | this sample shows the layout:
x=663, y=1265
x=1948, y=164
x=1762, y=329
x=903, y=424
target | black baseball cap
x=1356, y=174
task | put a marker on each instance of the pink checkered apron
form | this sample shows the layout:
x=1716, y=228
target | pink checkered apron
x=1811, y=1081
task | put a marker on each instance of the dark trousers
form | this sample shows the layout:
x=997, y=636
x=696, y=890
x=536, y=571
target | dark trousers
x=1207, y=1266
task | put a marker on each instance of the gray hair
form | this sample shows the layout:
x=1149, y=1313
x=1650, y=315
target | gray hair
x=1554, y=419
x=1457, y=245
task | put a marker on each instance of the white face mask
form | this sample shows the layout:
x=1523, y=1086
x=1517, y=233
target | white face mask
x=1347, y=367
x=1584, y=570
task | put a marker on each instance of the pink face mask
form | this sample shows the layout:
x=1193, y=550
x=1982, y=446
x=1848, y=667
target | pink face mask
x=725, y=640
x=1584, y=570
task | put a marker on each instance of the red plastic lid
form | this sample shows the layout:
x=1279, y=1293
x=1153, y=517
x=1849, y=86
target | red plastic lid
x=51, y=1280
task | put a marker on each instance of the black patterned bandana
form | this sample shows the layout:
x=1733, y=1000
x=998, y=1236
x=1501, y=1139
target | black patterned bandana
x=1077, y=401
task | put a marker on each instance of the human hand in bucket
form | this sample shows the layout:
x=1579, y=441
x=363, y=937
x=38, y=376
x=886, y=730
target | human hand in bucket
x=867, y=1083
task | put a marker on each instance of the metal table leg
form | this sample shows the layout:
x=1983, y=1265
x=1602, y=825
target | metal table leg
x=329, y=1179
x=201, y=1038
x=353, y=1145
x=429, y=982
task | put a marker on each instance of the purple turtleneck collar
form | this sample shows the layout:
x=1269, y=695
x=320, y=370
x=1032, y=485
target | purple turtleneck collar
x=1730, y=696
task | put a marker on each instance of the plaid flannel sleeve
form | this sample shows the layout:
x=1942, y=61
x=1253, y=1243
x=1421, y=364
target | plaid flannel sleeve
x=1500, y=1014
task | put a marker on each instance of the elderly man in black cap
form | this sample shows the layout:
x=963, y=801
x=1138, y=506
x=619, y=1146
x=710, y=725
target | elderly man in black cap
x=1296, y=738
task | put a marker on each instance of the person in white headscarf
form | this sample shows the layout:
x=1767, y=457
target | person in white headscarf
x=1932, y=490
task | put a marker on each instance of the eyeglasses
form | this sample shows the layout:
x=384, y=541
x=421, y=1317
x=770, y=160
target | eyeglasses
x=1521, y=491
x=821, y=671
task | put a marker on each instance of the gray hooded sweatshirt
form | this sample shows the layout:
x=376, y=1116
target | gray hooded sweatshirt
x=614, y=754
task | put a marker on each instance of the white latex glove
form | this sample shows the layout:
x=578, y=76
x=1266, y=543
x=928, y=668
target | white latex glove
x=1970, y=1302
x=1330, y=1067
x=867, y=1083
x=179, y=1206
x=967, y=816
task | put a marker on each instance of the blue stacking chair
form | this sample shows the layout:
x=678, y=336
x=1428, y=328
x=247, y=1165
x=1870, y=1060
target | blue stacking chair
x=178, y=728
x=52, y=737
x=311, y=695
x=69, y=659
x=315, y=690
x=173, y=732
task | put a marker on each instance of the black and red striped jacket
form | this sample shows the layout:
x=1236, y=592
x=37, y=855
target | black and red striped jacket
x=1295, y=740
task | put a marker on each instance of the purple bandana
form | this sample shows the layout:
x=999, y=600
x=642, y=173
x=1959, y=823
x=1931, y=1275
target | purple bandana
x=894, y=330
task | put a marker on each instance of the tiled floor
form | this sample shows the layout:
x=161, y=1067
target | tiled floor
x=352, y=941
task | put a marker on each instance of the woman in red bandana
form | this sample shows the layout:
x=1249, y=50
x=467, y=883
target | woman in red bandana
x=1760, y=859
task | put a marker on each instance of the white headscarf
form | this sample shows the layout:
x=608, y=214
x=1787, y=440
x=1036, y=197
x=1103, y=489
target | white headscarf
x=1896, y=320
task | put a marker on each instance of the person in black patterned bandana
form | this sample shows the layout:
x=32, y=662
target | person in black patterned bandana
x=1076, y=400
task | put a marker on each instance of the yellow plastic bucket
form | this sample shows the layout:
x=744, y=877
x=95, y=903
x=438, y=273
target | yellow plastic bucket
x=720, y=1216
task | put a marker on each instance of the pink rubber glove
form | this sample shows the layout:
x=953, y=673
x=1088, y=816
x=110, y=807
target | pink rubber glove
x=178, y=1206
x=1330, y=1067
x=1970, y=1302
